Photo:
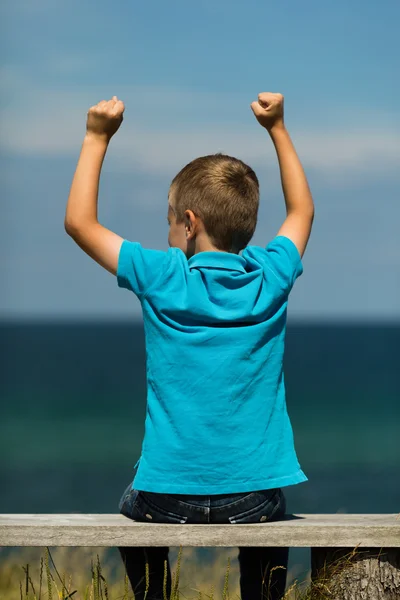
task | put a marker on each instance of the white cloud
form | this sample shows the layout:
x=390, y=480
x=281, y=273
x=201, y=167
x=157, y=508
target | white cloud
x=135, y=146
x=164, y=128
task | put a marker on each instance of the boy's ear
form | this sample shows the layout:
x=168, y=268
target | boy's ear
x=188, y=216
x=190, y=223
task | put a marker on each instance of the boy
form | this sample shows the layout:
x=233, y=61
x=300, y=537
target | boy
x=218, y=444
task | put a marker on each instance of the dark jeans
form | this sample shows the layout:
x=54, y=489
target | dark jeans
x=249, y=507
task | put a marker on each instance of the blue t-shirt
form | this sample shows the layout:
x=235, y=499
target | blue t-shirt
x=216, y=416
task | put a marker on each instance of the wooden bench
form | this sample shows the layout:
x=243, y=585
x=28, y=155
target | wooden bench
x=374, y=539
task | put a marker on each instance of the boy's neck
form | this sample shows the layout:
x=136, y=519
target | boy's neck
x=205, y=245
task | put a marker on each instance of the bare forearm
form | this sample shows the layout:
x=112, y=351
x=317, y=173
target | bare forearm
x=295, y=187
x=83, y=196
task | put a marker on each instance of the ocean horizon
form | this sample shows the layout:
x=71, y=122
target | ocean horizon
x=73, y=402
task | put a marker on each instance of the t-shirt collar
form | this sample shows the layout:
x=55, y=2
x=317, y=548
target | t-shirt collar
x=218, y=260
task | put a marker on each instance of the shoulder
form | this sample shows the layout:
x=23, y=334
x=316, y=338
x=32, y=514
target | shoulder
x=280, y=244
x=139, y=269
x=280, y=256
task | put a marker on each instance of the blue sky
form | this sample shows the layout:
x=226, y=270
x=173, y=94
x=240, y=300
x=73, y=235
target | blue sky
x=187, y=73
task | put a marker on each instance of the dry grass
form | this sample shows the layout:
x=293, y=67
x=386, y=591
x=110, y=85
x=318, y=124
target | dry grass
x=108, y=581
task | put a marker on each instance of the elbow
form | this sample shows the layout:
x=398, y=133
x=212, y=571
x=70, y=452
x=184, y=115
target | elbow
x=73, y=229
x=78, y=229
x=69, y=227
x=309, y=211
x=305, y=213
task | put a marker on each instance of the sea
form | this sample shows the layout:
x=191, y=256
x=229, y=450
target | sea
x=73, y=403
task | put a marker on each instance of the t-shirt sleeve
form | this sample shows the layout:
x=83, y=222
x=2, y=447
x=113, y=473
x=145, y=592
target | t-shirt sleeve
x=139, y=269
x=284, y=260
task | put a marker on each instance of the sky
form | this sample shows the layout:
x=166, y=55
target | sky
x=187, y=73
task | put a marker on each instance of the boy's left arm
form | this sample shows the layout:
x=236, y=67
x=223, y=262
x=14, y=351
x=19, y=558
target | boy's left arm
x=81, y=222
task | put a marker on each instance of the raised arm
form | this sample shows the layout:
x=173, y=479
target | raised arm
x=81, y=222
x=298, y=199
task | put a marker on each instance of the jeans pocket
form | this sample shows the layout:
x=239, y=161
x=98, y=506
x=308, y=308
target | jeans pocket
x=149, y=511
x=265, y=505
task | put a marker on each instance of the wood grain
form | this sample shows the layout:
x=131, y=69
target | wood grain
x=309, y=530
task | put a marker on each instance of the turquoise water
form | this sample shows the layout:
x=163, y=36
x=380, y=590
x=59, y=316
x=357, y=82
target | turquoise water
x=73, y=404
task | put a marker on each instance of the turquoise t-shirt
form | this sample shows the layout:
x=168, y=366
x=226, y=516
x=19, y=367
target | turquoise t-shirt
x=216, y=416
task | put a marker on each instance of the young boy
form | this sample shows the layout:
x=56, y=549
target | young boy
x=218, y=444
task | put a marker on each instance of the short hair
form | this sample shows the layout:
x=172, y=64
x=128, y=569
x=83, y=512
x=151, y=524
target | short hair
x=224, y=192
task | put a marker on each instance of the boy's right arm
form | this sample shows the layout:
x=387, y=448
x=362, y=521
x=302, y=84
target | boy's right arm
x=298, y=199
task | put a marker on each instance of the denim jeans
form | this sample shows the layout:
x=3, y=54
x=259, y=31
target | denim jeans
x=250, y=507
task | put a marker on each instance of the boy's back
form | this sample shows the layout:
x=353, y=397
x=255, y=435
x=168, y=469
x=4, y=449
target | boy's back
x=215, y=320
x=216, y=419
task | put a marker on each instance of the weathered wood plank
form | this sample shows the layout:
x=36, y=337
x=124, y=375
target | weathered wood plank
x=332, y=530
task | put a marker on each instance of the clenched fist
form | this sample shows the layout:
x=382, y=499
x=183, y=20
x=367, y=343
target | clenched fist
x=268, y=110
x=104, y=119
